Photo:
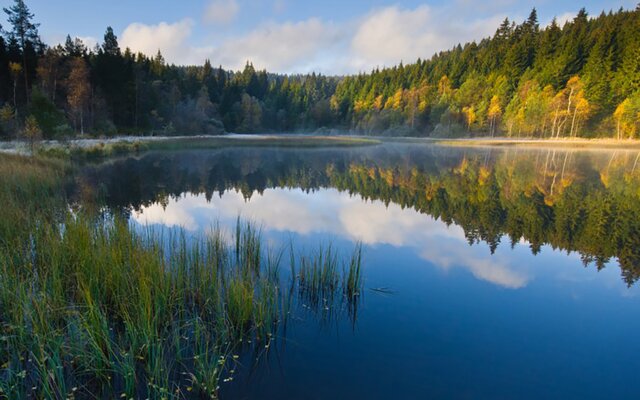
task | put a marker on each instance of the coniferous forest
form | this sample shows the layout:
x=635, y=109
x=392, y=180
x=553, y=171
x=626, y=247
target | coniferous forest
x=527, y=80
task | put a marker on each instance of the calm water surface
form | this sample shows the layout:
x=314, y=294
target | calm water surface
x=488, y=273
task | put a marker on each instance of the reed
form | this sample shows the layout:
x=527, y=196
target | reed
x=353, y=280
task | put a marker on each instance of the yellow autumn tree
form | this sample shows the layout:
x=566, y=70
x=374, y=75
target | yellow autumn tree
x=78, y=90
x=445, y=90
x=627, y=117
x=559, y=113
x=581, y=112
x=470, y=116
x=494, y=114
x=397, y=102
x=578, y=107
x=378, y=103
x=569, y=108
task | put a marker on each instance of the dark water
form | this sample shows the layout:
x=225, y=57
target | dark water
x=488, y=273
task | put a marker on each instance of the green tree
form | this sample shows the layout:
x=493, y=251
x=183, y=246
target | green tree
x=31, y=132
x=26, y=33
x=110, y=45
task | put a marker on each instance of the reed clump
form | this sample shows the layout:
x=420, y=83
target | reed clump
x=321, y=285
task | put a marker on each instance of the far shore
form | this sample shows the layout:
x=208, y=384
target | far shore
x=192, y=142
x=569, y=143
x=303, y=140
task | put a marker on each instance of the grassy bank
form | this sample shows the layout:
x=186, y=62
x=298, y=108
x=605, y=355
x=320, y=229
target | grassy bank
x=90, y=308
x=567, y=143
x=101, y=150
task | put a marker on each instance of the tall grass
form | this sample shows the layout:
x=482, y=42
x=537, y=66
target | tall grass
x=353, y=280
x=322, y=288
x=90, y=307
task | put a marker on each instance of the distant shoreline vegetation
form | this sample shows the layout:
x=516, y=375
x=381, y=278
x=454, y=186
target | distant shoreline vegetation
x=87, y=150
x=577, y=80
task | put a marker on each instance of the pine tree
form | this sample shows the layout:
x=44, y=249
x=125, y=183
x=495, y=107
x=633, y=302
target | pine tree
x=25, y=32
x=110, y=45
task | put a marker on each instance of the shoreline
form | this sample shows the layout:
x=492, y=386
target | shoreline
x=21, y=147
x=566, y=143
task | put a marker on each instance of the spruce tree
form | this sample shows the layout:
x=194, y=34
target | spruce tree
x=25, y=32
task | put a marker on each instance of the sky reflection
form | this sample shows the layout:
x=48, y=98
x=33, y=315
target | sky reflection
x=351, y=218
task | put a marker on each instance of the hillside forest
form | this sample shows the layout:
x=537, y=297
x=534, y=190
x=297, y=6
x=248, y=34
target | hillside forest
x=581, y=79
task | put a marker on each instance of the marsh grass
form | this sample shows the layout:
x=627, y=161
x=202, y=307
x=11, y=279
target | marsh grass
x=102, y=150
x=94, y=152
x=353, y=280
x=297, y=141
x=90, y=307
x=327, y=283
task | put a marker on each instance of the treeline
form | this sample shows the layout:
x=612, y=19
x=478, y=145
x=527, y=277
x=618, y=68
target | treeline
x=71, y=89
x=582, y=79
x=579, y=79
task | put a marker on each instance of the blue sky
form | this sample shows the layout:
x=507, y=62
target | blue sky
x=329, y=36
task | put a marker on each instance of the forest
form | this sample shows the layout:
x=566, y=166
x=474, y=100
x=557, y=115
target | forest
x=581, y=79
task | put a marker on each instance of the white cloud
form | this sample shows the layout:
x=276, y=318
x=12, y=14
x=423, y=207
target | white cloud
x=89, y=41
x=564, y=18
x=388, y=35
x=170, y=39
x=382, y=37
x=221, y=12
x=55, y=40
x=286, y=47
x=280, y=47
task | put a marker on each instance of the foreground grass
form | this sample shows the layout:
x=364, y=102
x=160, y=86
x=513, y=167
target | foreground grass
x=90, y=308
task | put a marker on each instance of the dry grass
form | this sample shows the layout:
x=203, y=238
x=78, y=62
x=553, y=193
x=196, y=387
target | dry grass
x=568, y=143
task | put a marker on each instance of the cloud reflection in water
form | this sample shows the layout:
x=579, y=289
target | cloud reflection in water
x=328, y=211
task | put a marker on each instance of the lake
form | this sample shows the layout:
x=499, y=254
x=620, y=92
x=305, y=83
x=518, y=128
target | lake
x=488, y=273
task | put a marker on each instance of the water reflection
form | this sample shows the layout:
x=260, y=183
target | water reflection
x=432, y=200
x=484, y=300
x=338, y=214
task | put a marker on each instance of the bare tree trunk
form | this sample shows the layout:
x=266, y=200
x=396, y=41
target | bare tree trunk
x=92, y=112
x=555, y=121
x=26, y=73
x=573, y=122
x=569, y=107
x=15, y=102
